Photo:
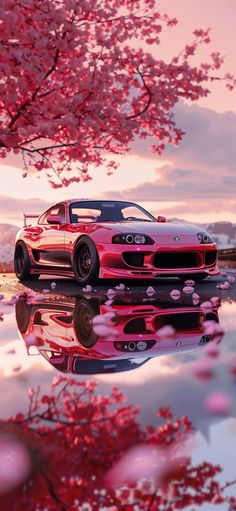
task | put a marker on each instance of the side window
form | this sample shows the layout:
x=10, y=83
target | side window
x=56, y=210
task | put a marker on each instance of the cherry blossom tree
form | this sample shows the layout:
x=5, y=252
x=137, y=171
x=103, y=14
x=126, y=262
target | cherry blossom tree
x=78, y=449
x=80, y=80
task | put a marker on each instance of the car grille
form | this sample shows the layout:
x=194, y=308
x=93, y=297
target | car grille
x=177, y=260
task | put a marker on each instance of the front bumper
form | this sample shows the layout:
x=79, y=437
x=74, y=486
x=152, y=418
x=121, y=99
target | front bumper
x=142, y=261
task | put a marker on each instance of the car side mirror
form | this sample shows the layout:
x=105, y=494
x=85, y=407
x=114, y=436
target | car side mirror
x=54, y=219
x=161, y=219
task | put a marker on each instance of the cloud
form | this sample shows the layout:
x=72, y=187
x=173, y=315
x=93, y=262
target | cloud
x=16, y=207
x=176, y=184
x=209, y=139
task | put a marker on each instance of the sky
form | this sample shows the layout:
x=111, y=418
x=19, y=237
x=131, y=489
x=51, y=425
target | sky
x=195, y=181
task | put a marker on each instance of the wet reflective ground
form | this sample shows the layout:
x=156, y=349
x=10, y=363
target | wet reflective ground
x=155, y=346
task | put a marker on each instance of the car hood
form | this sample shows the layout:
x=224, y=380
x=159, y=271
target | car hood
x=155, y=228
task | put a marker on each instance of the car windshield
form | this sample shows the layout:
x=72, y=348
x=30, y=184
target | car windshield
x=108, y=211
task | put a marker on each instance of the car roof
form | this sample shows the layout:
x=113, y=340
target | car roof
x=70, y=201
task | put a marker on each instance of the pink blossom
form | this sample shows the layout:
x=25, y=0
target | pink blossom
x=217, y=403
x=231, y=279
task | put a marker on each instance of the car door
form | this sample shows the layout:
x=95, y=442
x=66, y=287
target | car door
x=49, y=239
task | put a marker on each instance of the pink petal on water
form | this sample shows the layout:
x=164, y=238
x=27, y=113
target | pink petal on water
x=188, y=289
x=15, y=464
x=189, y=282
x=53, y=285
x=46, y=291
x=217, y=403
x=166, y=332
x=111, y=293
x=150, y=291
x=215, y=300
x=206, y=306
x=195, y=298
x=87, y=289
x=231, y=279
x=175, y=294
x=108, y=302
x=120, y=287
x=224, y=285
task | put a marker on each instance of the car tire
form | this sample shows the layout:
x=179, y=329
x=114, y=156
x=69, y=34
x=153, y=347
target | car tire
x=85, y=261
x=197, y=277
x=84, y=312
x=22, y=264
x=23, y=313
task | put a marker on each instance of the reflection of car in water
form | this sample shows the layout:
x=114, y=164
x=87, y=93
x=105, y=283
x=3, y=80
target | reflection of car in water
x=62, y=327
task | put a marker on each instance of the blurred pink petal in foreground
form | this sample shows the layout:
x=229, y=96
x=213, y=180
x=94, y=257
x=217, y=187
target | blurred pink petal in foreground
x=146, y=462
x=202, y=369
x=166, y=332
x=217, y=403
x=15, y=464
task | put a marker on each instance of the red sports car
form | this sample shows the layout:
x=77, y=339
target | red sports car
x=87, y=239
x=62, y=329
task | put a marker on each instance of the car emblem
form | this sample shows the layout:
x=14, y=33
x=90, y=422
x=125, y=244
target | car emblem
x=176, y=238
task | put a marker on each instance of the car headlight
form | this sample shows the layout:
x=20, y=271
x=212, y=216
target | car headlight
x=204, y=238
x=132, y=239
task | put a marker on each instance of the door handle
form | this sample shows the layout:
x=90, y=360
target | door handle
x=35, y=233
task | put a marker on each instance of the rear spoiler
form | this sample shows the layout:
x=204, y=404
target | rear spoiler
x=29, y=215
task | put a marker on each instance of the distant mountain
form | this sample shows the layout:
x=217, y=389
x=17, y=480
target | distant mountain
x=7, y=242
x=224, y=233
